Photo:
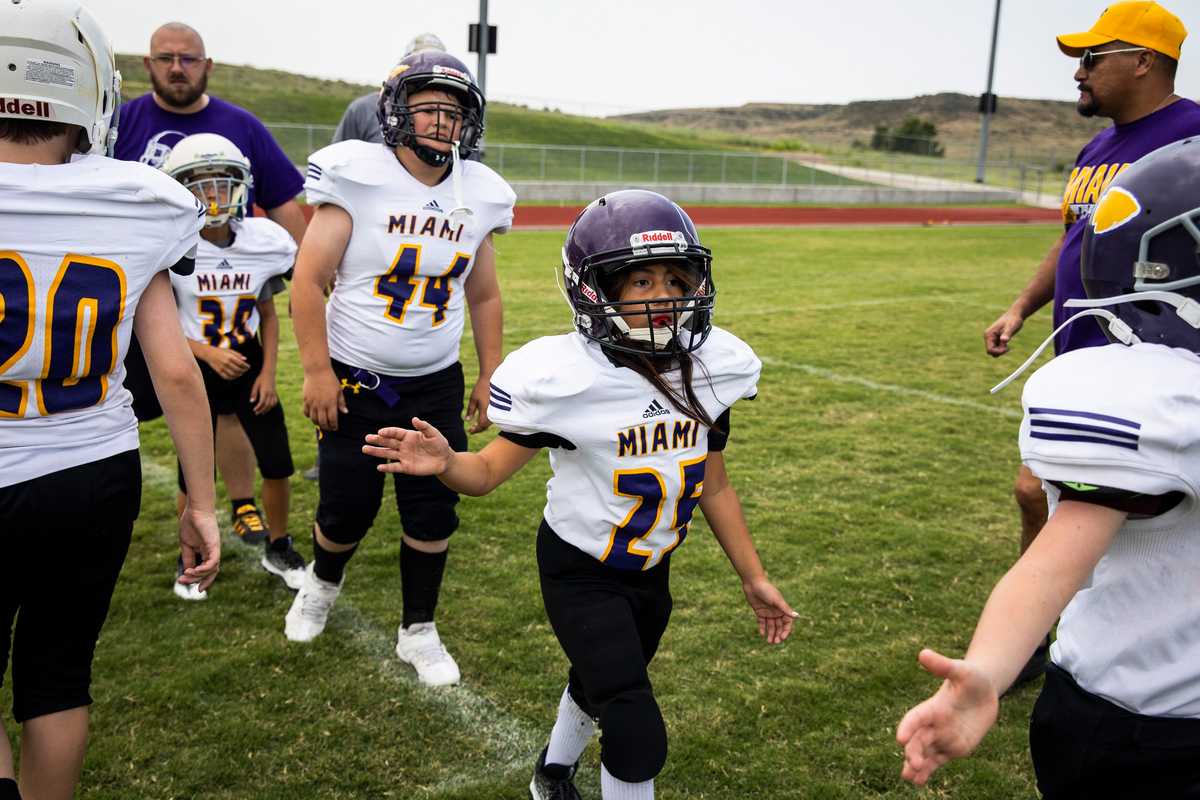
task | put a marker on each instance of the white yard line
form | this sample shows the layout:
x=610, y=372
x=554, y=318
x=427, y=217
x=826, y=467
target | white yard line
x=904, y=391
x=514, y=746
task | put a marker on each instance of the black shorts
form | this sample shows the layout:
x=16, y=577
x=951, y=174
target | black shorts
x=64, y=537
x=351, y=488
x=609, y=621
x=137, y=381
x=1085, y=746
x=267, y=432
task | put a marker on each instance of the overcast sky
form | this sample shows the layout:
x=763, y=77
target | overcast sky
x=611, y=56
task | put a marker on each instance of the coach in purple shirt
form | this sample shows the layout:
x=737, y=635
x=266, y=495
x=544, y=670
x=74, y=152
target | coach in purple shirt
x=1126, y=72
x=179, y=106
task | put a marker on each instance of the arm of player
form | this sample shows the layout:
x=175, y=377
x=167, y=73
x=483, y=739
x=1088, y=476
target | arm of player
x=290, y=217
x=1020, y=610
x=263, y=393
x=424, y=451
x=487, y=325
x=229, y=364
x=316, y=264
x=1038, y=292
x=180, y=390
x=723, y=510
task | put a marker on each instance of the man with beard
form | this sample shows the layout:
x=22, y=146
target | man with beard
x=151, y=126
x=1126, y=72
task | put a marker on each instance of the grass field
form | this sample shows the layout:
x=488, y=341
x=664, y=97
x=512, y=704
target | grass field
x=875, y=472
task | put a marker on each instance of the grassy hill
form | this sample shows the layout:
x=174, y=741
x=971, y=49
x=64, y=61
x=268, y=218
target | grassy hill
x=1042, y=131
x=277, y=96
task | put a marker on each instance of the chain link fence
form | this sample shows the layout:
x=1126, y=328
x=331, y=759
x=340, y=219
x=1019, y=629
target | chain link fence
x=587, y=164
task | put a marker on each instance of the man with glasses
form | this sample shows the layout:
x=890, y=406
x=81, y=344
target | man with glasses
x=180, y=106
x=1126, y=72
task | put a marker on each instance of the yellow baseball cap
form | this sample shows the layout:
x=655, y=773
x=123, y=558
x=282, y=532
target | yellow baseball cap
x=1141, y=23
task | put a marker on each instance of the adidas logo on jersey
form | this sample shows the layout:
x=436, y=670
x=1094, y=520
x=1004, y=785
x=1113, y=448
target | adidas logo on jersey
x=432, y=205
x=39, y=108
x=224, y=264
x=655, y=409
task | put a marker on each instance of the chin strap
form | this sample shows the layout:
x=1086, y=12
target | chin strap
x=460, y=213
x=1120, y=331
x=1185, y=307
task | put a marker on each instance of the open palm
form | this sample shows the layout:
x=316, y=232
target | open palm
x=421, y=451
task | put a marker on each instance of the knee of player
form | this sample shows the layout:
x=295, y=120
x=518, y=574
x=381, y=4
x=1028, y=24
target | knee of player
x=1028, y=491
x=633, y=745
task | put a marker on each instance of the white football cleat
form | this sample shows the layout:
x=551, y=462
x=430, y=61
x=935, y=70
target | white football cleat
x=306, y=618
x=420, y=646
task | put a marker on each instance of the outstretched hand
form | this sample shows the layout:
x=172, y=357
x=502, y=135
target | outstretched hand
x=421, y=451
x=774, y=614
x=952, y=722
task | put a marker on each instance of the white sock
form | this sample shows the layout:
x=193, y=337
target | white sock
x=573, y=730
x=614, y=789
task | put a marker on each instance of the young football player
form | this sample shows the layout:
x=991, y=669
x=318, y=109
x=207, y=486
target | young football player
x=1114, y=434
x=221, y=305
x=406, y=229
x=84, y=245
x=635, y=410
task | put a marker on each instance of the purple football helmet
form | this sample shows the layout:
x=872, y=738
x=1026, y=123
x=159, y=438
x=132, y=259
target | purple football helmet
x=619, y=231
x=430, y=69
x=1141, y=249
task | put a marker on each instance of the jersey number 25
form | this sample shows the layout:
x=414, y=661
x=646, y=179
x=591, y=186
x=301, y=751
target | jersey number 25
x=84, y=307
x=627, y=548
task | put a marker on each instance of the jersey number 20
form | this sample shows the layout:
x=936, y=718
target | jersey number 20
x=84, y=308
x=626, y=546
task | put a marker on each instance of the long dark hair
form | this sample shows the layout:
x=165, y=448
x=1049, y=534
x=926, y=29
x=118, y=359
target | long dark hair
x=652, y=369
x=651, y=365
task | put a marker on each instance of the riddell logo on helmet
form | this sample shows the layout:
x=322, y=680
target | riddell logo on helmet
x=438, y=69
x=37, y=108
x=657, y=237
x=587, y=292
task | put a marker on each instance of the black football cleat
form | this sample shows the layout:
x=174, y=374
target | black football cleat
x=553, y=781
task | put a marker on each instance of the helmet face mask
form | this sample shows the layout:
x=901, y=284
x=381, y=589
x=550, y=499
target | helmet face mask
x=627, y=231
x=431, y=70
x=1141, y=249
x=213, y=169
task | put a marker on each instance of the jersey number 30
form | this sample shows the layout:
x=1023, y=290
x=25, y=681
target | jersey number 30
x=626, y=546
x=84, y=308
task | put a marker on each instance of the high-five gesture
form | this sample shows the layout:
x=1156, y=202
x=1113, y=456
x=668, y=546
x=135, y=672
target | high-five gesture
x=952, y=722
x=421, y=451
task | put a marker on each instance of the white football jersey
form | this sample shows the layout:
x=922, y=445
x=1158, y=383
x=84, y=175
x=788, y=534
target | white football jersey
x=398, y=306
x=625, y=493
x=79, y=243
x=1128, y=418
x=218, y=302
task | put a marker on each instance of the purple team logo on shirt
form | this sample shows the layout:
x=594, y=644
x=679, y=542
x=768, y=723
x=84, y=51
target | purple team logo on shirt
x=159, y=147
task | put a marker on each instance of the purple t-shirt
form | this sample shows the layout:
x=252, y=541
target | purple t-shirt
x=146, y=133
x=1101, y=160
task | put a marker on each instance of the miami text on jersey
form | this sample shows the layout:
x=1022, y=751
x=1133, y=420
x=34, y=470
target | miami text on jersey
x=222, y=281
x=411, y=224
x=1084, y=188
x=661, y=437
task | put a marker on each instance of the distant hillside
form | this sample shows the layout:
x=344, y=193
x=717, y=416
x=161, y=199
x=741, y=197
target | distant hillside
x=277, y=96
x=1041, y=130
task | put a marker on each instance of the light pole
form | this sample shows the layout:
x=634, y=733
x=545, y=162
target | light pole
x=987, y=103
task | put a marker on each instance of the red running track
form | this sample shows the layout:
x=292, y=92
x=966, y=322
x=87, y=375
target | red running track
x=553, y=216
x=562, y=216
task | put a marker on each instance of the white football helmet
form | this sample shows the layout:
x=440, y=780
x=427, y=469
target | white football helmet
x=215, y=170
x=56, y=65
